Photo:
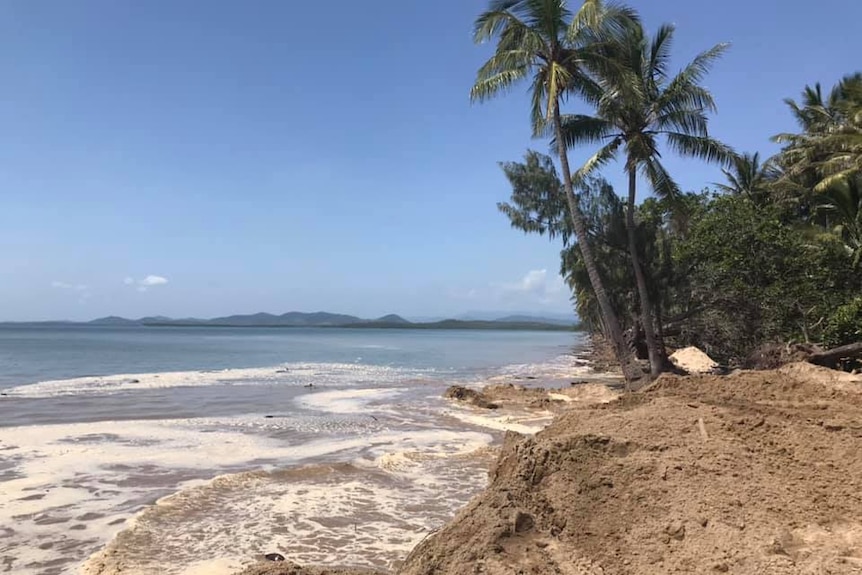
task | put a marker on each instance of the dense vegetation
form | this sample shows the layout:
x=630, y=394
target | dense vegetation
x=773, y=254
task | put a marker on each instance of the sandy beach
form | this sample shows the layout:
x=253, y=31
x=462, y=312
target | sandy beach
x=755, y=472
x=547, y=468
x=354, y=459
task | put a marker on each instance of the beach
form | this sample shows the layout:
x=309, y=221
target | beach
x=203, y=471
x=544, y=467
x=752, y=472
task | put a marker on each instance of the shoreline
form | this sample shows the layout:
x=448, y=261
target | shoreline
x=494, y=425
x=601, y=356
x=690, y=475
x=114, y=454
x=513, y=403
x=375, y=434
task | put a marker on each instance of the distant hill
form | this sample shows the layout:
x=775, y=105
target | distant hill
x=326, y=319
x=392, y=318
x=461, y=324
x=537, y=319
x=289, y=319
x=320, y=318
x=113, y=320
x=569, y=318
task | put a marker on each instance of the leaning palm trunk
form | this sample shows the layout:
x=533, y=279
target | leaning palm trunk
x=631, y=370
x=655, y=352
x=640, y=106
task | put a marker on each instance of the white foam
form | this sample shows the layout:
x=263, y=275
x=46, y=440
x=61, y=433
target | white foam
x=288, y=374
x=519, y=422
x=562, y=367
x=320, y=515
x=346, y=400
x=73, y=487
x=96, y=476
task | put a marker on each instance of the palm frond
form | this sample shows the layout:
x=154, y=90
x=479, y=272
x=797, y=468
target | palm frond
x=658, y=57
x=683, y=95
x=699, y=67
x=604, y=156
x=549, y=16
x=596, y=20
x=701, y=147
x=579, y=129
x=689, y=121
x=835, y=179
x=538, y=101
x=500, y=73
x=660, y=180
x=492, y=23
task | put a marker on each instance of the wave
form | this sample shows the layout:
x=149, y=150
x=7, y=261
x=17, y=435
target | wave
x=297, y=374
x=346, y=400
x=365, y=513
x=374, y=466
x=520, y=422
x=326, y=514
x=72, y=487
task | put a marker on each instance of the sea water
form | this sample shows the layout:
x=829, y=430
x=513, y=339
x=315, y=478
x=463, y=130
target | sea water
x=195, y=450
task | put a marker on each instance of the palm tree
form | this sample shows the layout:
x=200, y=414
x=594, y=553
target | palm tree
x=640, y=105
x=542, y=40
x=829, y=149
x=842, y=202
x=748, y=176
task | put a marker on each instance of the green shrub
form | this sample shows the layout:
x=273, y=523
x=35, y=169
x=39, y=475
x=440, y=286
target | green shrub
x=844, y=325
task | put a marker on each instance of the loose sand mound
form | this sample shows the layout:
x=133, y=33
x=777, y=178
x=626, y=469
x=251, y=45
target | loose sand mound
x=692, y=360
x=760, y=472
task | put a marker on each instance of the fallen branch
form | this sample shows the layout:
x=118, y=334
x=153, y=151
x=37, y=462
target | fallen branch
x=831, y=357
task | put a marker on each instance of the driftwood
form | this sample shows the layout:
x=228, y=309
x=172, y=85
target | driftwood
x=832, y=357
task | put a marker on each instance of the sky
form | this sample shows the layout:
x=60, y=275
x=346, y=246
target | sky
x=211, y=157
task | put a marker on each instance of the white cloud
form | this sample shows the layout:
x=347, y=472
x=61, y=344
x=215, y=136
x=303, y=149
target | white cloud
x=536, y=286
x=153, y=281
x=81, y=290
x=533, y=282
x=536, y=290
x=68, y=286
x=144, y=284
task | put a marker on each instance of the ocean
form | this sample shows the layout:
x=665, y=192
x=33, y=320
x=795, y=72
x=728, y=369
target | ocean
x=196, y=450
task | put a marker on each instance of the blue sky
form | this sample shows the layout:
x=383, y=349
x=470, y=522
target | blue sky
x=184, y=157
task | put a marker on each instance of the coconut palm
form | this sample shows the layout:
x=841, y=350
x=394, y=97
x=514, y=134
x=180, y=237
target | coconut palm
x=640, y=105
x=544, y=42
x=748, y=176
x=829, y=149
x=842, y=202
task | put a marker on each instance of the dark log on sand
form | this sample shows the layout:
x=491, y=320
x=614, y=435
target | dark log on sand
x=831, y=357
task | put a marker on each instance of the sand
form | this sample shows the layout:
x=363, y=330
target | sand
x=693, y=361
x=760, y=472
x=752, y=473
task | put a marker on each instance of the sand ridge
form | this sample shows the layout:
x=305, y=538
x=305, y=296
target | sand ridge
x=759, y=472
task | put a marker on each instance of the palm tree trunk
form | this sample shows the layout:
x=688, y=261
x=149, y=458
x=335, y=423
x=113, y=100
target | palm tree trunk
x=631, y=370
x=656, y=356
